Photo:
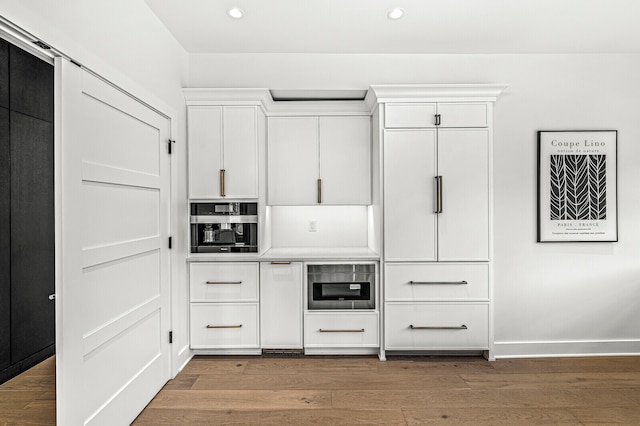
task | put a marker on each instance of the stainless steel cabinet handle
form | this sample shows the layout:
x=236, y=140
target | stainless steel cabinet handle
x=323, y=330
x=224, y=326
x=439, y=282
x=319, y=191
x=222, y=172
x=437, y=119
x=418, y=327
x=281, y=263
x=223, y=282
x=438, y=194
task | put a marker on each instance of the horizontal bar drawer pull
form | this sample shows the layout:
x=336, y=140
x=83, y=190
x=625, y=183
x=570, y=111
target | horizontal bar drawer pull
x=224, y=326
x=416, y=327
x=281, y=263
x=439, y=282
x=323, y=330
x=223, y=282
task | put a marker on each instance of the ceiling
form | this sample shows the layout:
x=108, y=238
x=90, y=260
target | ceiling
x=428, y=26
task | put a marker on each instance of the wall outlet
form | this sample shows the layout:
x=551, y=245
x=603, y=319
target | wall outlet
x=313, y=226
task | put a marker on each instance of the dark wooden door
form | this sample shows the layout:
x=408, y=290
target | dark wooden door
x=5, y=211
x=32, y=204
x=27, y=225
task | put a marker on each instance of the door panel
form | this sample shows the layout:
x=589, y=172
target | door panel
x=240, y=152
x=463, y=225
x=293, y=160
x=409, y=171
x=5, y=235
x=345, y=160
x=463, y=115
x=281, y=305
x=32, y=236
x=205, y=151
x=113, y=282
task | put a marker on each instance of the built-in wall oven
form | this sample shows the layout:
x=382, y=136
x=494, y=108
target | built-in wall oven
x=229, y=227
x=343, y=286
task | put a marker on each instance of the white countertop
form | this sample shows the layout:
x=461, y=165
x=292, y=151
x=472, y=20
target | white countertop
x=298, y=254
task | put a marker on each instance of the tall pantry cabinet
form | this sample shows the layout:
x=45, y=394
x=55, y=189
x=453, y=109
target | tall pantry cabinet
x=436, y=185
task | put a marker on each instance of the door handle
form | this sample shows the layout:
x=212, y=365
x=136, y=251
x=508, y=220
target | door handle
x=439, y=282
x=281, y=263
x=324, y=330
x=222, y=172
x=419, y=327
x=438, y=194
x=52, y=296
x=319, y=191
x=224, y=326
x=223, y=282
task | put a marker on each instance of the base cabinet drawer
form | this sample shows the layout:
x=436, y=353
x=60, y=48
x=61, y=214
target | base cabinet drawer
x=224, y=282
x=341, y=330
x=425, y=326
x=414, y=282
x=228, y=325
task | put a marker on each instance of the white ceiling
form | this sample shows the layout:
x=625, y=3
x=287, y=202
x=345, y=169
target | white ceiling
x=429, y=26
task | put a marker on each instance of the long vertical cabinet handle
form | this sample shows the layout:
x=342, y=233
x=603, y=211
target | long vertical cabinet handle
x=319, y=191
x=438, y=194
x=222, y=172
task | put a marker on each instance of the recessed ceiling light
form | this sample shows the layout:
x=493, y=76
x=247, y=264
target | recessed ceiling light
x=235, y=13
x=395, y=13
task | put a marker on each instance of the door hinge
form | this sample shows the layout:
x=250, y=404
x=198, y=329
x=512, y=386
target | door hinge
x=169, y=142
x=170, y=241
x=171, y=337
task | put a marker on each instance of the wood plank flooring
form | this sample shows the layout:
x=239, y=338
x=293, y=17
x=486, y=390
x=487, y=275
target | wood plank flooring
x=401, y=391
x=362, y=390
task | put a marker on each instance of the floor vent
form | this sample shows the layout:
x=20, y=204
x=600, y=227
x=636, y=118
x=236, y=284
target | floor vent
x=282, y=353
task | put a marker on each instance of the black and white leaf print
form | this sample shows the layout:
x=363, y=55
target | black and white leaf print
x=578, y=187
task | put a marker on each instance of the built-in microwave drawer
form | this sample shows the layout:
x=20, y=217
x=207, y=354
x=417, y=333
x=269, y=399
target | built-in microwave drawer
x=341, y=330
x=224, y=281
x=414, y=282
x=224, y=325
x=428, y=326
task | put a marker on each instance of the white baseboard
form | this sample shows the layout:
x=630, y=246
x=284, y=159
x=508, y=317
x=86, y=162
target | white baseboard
x=578, y=348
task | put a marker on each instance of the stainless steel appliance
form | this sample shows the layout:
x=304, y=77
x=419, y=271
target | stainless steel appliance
x=229, y=227
x=341, y=286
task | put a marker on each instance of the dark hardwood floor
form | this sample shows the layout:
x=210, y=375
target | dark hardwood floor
x=363, y=390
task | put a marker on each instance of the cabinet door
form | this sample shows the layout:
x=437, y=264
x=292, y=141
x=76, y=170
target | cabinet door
x=293, y=163
x=345, y=160
x=463, y=115
x=240, y=149
x=281, y=305
x=205, y=152
x=410, y=115
x=463, y=225
x=409, y=191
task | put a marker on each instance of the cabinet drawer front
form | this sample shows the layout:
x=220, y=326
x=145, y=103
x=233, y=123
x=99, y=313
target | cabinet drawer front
x=220, y=282
x=436, y=326
x=412, y=282
x=341, y=330
x=463, y=115
x=229, y=325
x=409, y=115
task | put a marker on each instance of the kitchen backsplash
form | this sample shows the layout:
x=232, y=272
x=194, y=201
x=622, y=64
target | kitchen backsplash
x=335, y=226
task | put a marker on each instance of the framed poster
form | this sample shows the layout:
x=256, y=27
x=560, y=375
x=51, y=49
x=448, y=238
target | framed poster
x=577, y=186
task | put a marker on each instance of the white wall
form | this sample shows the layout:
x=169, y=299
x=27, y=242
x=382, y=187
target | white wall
x=550, y=298
x=124, y=42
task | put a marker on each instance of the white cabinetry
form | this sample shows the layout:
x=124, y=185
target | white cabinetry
x=224, y=307
x=319, y=160
x=437, y=219
x=281, y=305
x=436, y=186
x=223, y=152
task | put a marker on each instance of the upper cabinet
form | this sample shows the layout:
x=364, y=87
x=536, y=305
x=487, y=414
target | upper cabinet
x=223, y=152
x=319, y=160
x=423, y=115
